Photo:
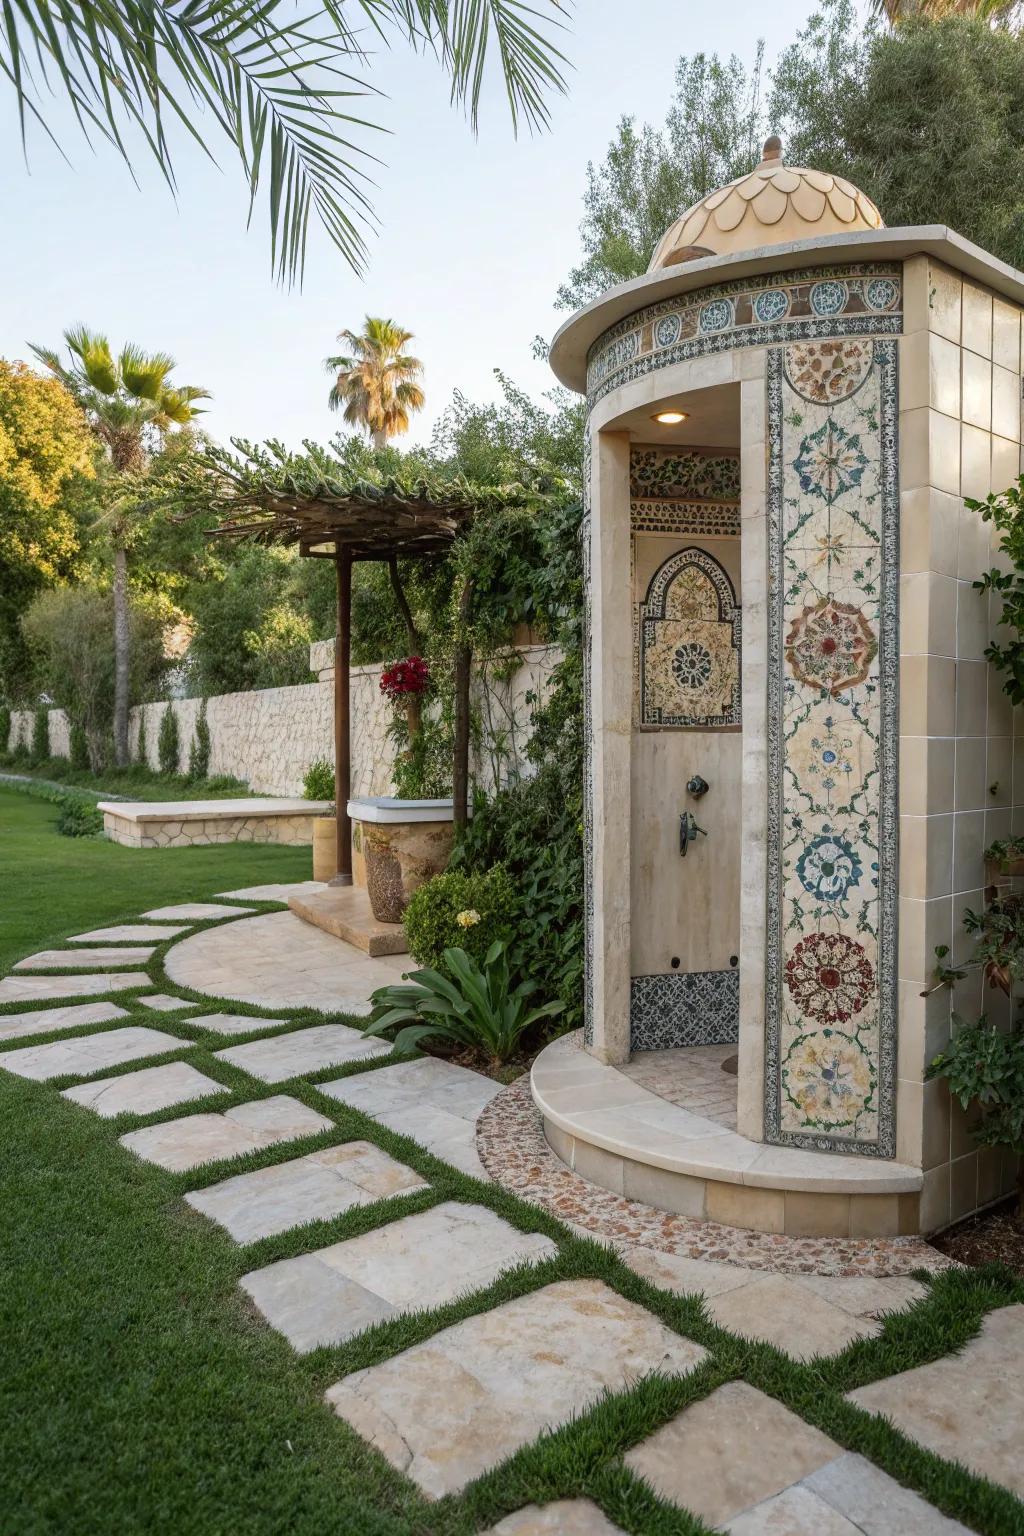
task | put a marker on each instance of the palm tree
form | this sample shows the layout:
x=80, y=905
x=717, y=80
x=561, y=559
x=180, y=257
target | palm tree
x=377, y=380
x=130, y=404
x=277, y=80
x=997, y=12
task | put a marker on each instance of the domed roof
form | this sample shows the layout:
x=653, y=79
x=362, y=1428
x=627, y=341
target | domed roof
x=774, y=204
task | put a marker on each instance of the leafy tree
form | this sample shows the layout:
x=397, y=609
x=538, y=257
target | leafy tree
x=246, y=633
x=168, y=742
x=130, y=404
x=376, y=380
x=277, y=83
x=514, y=439
x=46, y=477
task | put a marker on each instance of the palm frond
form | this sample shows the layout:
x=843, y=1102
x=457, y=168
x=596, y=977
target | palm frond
x=144, y=374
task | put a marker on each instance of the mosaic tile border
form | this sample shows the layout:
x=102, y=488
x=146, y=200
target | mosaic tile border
x=885, y=360
x=851, y=299
x=684, y=1008
x=586, y=534
x=706, y=519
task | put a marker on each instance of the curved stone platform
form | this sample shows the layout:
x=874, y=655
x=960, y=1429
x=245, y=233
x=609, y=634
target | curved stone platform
x=620, y=1135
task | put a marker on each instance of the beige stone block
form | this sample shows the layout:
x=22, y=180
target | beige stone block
x=976, y=321
x=989, y=1168
x=968, y=850
x=1005, y=463
x=975, y=548
x=600, y=1167
x=962, y=1125
x=927, y=696
x=926, y=775
x=944, y=302
x=1006, y=335
x=971, y=698
x=970, y=779
x=976, y=390
x=923, y=1025
x=972, y=621
x=935, y=1199
x=761, y=1210
x=914, y=371
x=929, y=450
x=1006, y=404
x=874, y=1215
x=964, y=943
x=929, y=529
x=975, y=462
x=660, y=1187
x=810, y=1215
x=910, y=1122
x=923, y=925
x=926, y=856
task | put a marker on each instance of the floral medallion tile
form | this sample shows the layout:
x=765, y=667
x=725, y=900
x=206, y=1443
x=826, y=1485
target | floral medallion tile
x=833, y=586
x=689, y=645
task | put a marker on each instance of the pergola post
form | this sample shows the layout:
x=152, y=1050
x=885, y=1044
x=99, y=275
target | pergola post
x=342, y=715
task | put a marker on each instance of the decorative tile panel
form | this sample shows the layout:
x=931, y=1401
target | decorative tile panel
x=683, y=474
x=717, y=519
x=689, y=645
x=810, y=304
x=588, y=751
x=687, y=1008
x=833, y=521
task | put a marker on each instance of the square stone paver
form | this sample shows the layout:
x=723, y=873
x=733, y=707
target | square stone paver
x=86, y=959
x=676, y=1272
x=779, y=1310
x=144, y=1092
x=456, y=1405
x=165, y=1002
x=435, y=1102
x=733, y=1449
x=37, y=989
x=967, y=1407
x=795, y=1512
x=875, y=1502
x=417, y=1261
x=276, y=890
x=196, y=911
x=566, y=1517
x=234, y=1023
x=207, y=1138
x=304, y=1050
x=313, y=1188
x=48, y=1020
x=89, y=1053
x=122, y=933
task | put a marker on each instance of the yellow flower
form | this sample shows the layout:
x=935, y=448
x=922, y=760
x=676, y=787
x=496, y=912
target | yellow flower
x=468, y=919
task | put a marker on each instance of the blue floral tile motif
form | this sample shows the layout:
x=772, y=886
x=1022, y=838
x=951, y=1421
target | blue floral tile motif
x=771, y=305
x=828, y=867
x=716, y=316
x=668, y=330
x=830, y=462
x=881, y=293
x=829, y=298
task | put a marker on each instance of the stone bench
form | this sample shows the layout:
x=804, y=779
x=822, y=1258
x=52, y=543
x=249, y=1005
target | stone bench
x=185, y=823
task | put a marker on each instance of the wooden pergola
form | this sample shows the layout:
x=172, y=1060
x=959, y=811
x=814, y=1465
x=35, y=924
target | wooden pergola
x=314, y=502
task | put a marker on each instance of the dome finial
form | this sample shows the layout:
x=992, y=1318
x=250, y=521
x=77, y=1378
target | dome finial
x=772, y=148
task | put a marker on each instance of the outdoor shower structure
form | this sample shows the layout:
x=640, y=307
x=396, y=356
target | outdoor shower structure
x=797, y=752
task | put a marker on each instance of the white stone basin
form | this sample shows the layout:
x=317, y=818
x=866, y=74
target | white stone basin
x=385, y=809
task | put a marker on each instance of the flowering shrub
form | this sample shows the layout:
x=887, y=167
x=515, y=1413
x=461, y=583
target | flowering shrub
x=459, y=909
x=404, y=679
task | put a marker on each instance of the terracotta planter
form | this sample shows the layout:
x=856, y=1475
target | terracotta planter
x=403, y=844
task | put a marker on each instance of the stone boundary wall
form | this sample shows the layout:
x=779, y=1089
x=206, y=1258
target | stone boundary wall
x=269, y=737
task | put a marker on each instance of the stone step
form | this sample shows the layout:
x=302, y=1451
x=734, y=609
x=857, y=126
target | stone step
x=344, y=911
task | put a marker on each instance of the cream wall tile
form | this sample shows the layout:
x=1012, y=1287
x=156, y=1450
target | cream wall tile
x=970, y=790
x=917, y=286
x=972, y=622
x=944, y=302
x=927, y=696
x=1005, y=335
x=926, y=775
x=928, y=607
x=944, y=382
x=923, y=926
x=971, y=698
x=1006, y=403
x=1018, y=770
x=935, y=1199
x=1000, y=710
x=974, y=553
x=998, y=824
x=968, y=850
x=929, y=531
x=929, y=450
x=910, y=1122
x=963, y=943
x=999, y=772
x=926, y=855
x=1005, y=463
x=976, y=321
x=923, y=1028
x=967, y=994
x=976, y=387
x=963, y=1186
x=936, y=1116
x=913, y=354
x=975, y=462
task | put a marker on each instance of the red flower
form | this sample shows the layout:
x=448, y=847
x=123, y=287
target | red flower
x=410, y=676
x=829, y=977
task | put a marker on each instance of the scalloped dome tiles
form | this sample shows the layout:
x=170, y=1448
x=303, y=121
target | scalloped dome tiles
x=774, y=204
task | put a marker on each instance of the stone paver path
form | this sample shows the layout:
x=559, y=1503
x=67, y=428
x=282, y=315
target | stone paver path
x=195, y=911
x=86, y=959
x=450, y=1408
x=37, y=989
x=165, y=1002
x=89, y=1053
x=233, y=1023
x=278, y=961
x=122, y=933
x=417, y=1261
x=144, y=1092
x=304, y=1050
x=197, y=1139
x=276, y=891
x=313, y=1188
x=566, y=1517
x=967, y=1407
x=435, y=1102
x=46, y=1020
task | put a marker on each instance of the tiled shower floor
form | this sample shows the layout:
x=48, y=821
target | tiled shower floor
x=691, y=1077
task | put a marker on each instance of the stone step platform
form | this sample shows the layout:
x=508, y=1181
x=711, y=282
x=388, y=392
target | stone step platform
x=615, y=1132
x=344, y=911
x=185, y=823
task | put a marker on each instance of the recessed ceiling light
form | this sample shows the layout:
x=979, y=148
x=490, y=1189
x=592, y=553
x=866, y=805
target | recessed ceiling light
x=670, y=418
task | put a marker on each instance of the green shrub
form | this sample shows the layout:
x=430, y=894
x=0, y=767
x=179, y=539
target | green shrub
x=199, y=751
x=484, y=900
x=985, y=1065
x=5, y=729
x=78, y=748
x=78, y=818
x=40, y=734
x=474, y=1006
x=318, y=783
x=167, y=742
x=141, y=748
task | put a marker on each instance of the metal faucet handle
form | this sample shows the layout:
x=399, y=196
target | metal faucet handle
x=688, y=830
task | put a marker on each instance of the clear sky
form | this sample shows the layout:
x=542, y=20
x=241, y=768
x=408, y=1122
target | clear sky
x=475, y=235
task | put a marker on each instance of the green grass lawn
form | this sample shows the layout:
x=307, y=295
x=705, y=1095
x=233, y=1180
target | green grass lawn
x=53, y=886
x=143, y=1396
